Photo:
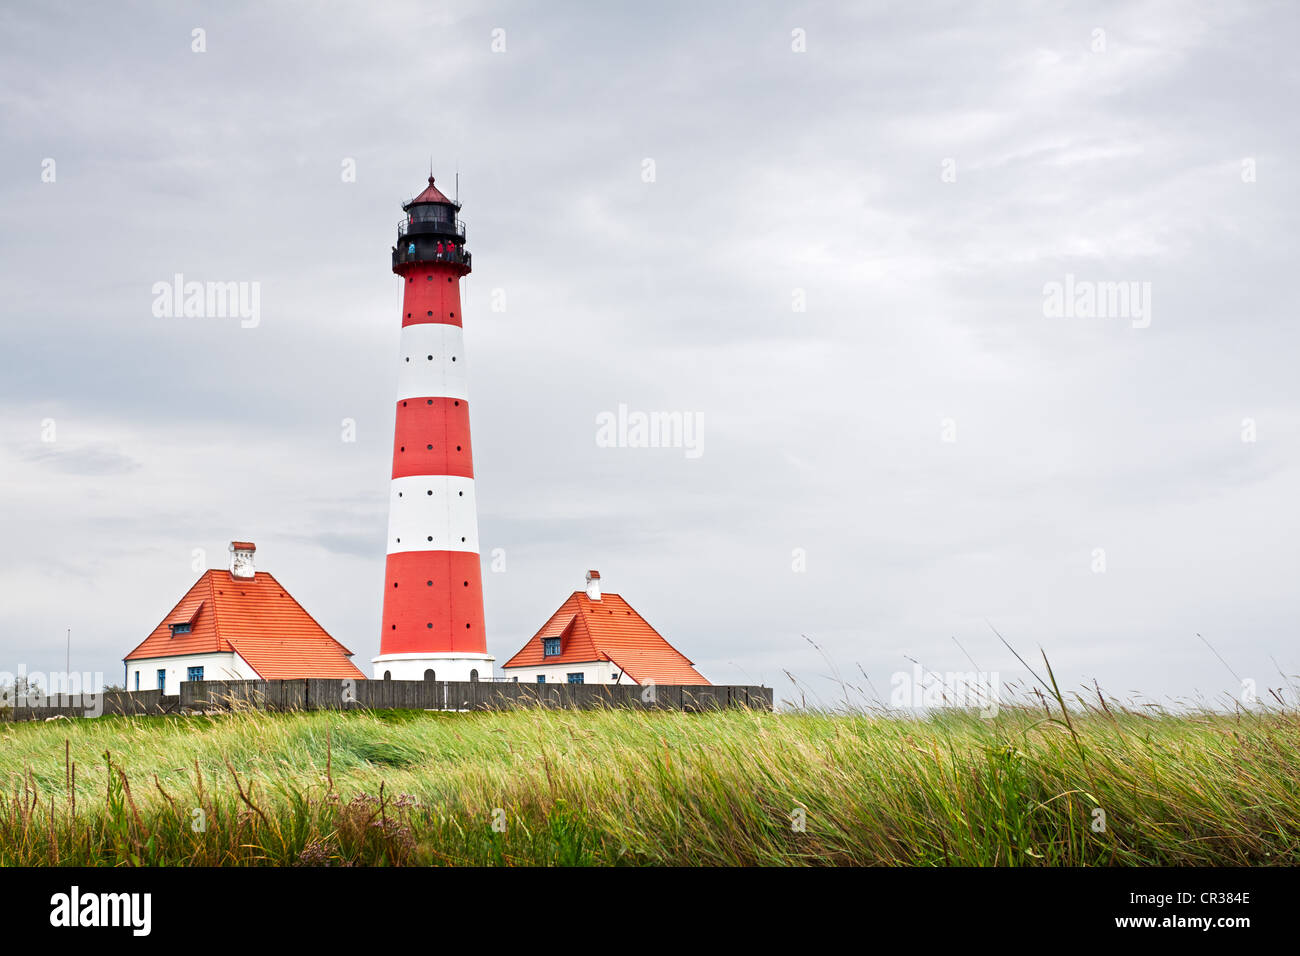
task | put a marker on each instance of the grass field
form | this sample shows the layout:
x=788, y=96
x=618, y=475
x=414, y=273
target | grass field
x=637, y=787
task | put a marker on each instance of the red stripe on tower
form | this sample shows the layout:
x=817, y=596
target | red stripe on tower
x=433, y=587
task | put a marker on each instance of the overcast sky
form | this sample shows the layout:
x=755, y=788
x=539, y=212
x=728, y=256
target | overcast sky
x=653, y=191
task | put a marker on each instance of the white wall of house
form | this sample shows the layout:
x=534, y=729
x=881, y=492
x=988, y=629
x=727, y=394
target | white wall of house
x=594, y=672
x=223, y=666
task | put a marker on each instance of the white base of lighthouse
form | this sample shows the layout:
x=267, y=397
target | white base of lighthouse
x=445, y=666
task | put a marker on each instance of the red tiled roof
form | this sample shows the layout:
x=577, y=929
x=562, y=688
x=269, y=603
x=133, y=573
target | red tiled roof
x=431, y=194
x=257, y=619
x=608, y=630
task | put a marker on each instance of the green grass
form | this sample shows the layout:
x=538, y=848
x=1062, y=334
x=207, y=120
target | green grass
x=637, y=787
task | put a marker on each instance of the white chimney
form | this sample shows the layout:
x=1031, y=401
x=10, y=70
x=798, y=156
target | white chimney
x=241, y=559
x=593, y=585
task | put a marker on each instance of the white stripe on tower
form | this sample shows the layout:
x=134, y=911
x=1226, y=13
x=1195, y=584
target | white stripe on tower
x=432, y=363
x=432, y=513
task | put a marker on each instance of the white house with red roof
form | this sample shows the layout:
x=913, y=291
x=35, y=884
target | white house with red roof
x=239, y=624
x=597, y=638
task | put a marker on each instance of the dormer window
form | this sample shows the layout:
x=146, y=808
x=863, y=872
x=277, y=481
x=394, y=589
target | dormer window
x=550, y=646
x=186, y=624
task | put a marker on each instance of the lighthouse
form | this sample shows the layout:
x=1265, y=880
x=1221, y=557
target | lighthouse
x=433, y=589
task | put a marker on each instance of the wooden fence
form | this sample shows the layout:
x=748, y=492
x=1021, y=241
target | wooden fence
x=91, y=705
x=318, y=694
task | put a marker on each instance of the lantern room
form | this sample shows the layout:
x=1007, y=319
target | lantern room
x=431, y=232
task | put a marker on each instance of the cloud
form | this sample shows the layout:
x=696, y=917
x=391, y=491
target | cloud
x=781, y=178
x=92, y=459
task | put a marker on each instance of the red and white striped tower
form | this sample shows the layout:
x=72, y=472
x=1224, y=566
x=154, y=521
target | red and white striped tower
x=433, y=587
